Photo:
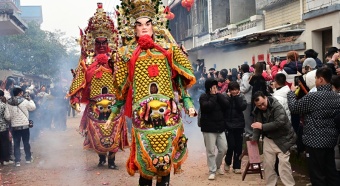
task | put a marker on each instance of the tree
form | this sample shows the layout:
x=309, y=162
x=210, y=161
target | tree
x=36, y=52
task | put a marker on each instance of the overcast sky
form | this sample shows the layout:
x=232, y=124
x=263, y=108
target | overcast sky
x=68, y=15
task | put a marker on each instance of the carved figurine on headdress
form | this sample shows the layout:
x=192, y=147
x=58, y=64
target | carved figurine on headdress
x=150, y=71
x=93, y=85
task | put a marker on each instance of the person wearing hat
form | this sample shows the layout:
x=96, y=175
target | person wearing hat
x=213, y=106
x=309, y=71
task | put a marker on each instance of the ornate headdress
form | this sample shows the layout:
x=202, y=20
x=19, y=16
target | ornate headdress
x=131, y=10
x=100, y=25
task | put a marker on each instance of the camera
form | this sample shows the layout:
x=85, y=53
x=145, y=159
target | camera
x=26, y=95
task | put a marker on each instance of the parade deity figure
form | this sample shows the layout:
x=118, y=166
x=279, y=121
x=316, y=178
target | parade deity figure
x=93, y=86
x=150, y=71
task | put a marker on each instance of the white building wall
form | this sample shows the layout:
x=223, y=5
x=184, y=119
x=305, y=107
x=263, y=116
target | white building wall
x=231, y=58
x=314, y=27
x=200, y=41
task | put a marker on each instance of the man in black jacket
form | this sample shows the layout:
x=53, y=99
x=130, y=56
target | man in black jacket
x=212, y=105
x=319, y=133
x=278, y=136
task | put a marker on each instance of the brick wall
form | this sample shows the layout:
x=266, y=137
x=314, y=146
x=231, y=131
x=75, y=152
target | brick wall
x=287, y=13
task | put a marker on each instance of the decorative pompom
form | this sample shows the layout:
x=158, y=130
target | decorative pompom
x=102, y=59
x=146, y=42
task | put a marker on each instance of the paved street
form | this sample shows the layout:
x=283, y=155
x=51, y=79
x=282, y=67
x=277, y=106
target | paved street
x=60, y=160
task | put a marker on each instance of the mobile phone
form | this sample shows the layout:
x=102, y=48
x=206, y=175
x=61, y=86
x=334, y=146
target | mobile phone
x=296, y=80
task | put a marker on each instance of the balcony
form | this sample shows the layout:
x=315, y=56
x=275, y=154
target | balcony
x=10, y=20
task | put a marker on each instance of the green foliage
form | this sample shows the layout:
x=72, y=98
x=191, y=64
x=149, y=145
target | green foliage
x=37, y=52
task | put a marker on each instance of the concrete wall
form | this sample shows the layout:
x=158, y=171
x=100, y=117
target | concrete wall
x=199, y=41
x=312, y=34
x=319, y=4
x=220, y=14
x=230, y=57
x=287, y=13
x=241, y=9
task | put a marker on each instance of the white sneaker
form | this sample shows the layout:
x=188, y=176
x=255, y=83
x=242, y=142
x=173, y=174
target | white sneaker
x=8, y=162
x=211, y=177
x=30, y=161
x=237, y=171
x=220, y=171
x=17, y=164
x=226, y=167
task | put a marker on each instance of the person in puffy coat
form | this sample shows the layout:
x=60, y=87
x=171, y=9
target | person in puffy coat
x=213, y=105
x=19, y=108
x=293, y=66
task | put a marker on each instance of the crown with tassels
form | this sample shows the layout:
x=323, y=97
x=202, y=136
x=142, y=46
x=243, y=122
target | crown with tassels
x=100, y=25
x=131, y=10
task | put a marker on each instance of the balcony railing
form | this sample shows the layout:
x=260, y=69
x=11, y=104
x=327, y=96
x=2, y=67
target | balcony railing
x=246, y=25
x=223, y=32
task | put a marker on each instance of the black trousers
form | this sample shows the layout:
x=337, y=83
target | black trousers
x=25, y=136
x=234, y=139
x=165, y=181
x=4, y=146
x=110, y=159
x=321, y=165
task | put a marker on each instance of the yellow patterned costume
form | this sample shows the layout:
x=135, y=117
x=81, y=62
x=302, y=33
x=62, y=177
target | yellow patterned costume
x=93, y=86
x=152, y=82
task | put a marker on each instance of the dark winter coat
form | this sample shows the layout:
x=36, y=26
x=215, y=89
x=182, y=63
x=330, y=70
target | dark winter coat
x=290, y=68
x=234, y=113
x=318, y=63
x=276, y=126
x=212, y=109
x=320, y=109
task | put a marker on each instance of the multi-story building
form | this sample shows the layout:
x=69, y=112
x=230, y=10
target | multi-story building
x=10, y=19
x=32, y=13
x=227, y=33
x=322, y=19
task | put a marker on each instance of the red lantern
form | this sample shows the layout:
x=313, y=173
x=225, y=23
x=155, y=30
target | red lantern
x=187, y=4
x=170, y=16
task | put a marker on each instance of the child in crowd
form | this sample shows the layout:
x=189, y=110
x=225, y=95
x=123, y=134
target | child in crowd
x=235, y=126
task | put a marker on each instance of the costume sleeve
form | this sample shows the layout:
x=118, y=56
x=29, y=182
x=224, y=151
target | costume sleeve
x=78, y=81
x=120, y=82
x=185, y=75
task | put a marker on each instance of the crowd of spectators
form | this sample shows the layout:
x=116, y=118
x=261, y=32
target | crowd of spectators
x=290, y=103
x=25, y=111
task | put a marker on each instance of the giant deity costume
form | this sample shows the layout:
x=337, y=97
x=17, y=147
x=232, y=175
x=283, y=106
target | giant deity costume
x=152, y=75
x=93, y=86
